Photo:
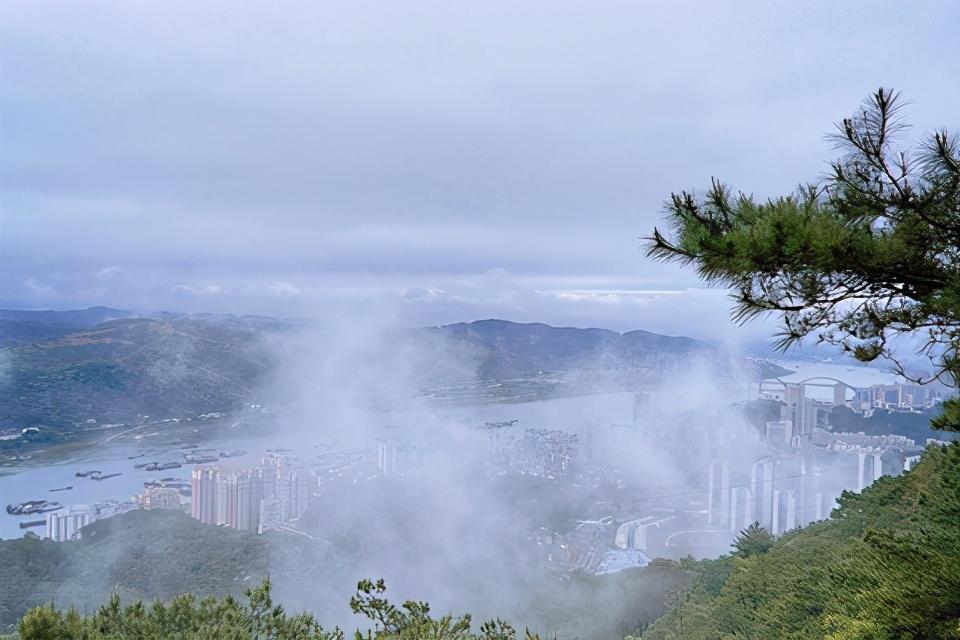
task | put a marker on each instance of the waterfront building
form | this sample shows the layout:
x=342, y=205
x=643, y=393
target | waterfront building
x=249, y=495
x=66, y=526
x=235, y=497
x=204, y=498
x=160, y=498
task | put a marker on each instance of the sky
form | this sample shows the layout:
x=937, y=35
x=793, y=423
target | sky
x=446, y=160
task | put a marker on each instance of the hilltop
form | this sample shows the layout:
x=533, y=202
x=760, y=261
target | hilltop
x=115, y=370
x=515, y=349
x=23, y=327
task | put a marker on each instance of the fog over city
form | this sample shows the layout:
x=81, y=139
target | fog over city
x=505, y=508
x=357, y=290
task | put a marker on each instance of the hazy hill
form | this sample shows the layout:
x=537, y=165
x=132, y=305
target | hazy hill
x=161, y=554
x=115, y=370
x=59, y=368
x=21, y=327
x=141, y=554
x=513, y=349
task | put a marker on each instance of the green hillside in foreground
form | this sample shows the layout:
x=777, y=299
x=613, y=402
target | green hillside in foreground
x=148, y=555
x=885, y=565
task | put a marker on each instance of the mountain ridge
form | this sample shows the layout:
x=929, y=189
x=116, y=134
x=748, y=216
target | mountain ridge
x=172, y=365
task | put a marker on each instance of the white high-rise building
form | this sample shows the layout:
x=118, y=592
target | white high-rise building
x=869, y=468
x=761, y=487
x=66, y=526
x=235, y=497
x=718, y=493
x=741, y=508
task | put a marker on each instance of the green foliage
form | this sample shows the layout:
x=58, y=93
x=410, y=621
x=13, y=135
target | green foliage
x=184, y=555
x=753, y=540
x=412, y=620
x=186, y=618
x=179, y=554
x=183, y=618
x=178, y=366
x=871, y=253
x=885, y=566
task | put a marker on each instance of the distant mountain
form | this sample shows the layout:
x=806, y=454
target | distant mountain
x=512, y=349
x=115, y=370
x=60, y=368
x=21, y=327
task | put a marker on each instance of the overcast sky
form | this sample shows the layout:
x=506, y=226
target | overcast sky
x=454, y=160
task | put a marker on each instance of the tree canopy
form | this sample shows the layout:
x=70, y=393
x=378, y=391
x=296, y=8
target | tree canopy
x=869, y=253
x=186, y=618
x=753, y=540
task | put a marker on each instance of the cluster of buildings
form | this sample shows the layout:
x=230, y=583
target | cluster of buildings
x=789, y=476
x=544, y=453
x=805, y=412
x=781, y=492
x=271, y=494
x=65, y=524
x=810, y=464
x=903, y=396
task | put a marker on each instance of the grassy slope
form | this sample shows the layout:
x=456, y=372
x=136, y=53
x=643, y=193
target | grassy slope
x=885, y=565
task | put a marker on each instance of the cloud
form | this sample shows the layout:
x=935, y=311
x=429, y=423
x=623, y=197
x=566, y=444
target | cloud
x=351, y=148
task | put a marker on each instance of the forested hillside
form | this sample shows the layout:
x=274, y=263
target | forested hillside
x=56, y=372
x=147, y=555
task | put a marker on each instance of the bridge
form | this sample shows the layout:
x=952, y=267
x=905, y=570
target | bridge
x=814, y=381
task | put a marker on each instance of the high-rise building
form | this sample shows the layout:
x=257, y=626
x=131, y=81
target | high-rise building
x=235, y=497
x=387, y=457
x=869, y=468
x=718, y=493
x=800, y=410
x=779, y=432
x=300, y=485
x=741, y=508
x=839, y=394
x=204, y=497
x=784, y=511
x=66, y=526
x=227, y=497
x=249, y=496
x=761, y=487
x=160, y=498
